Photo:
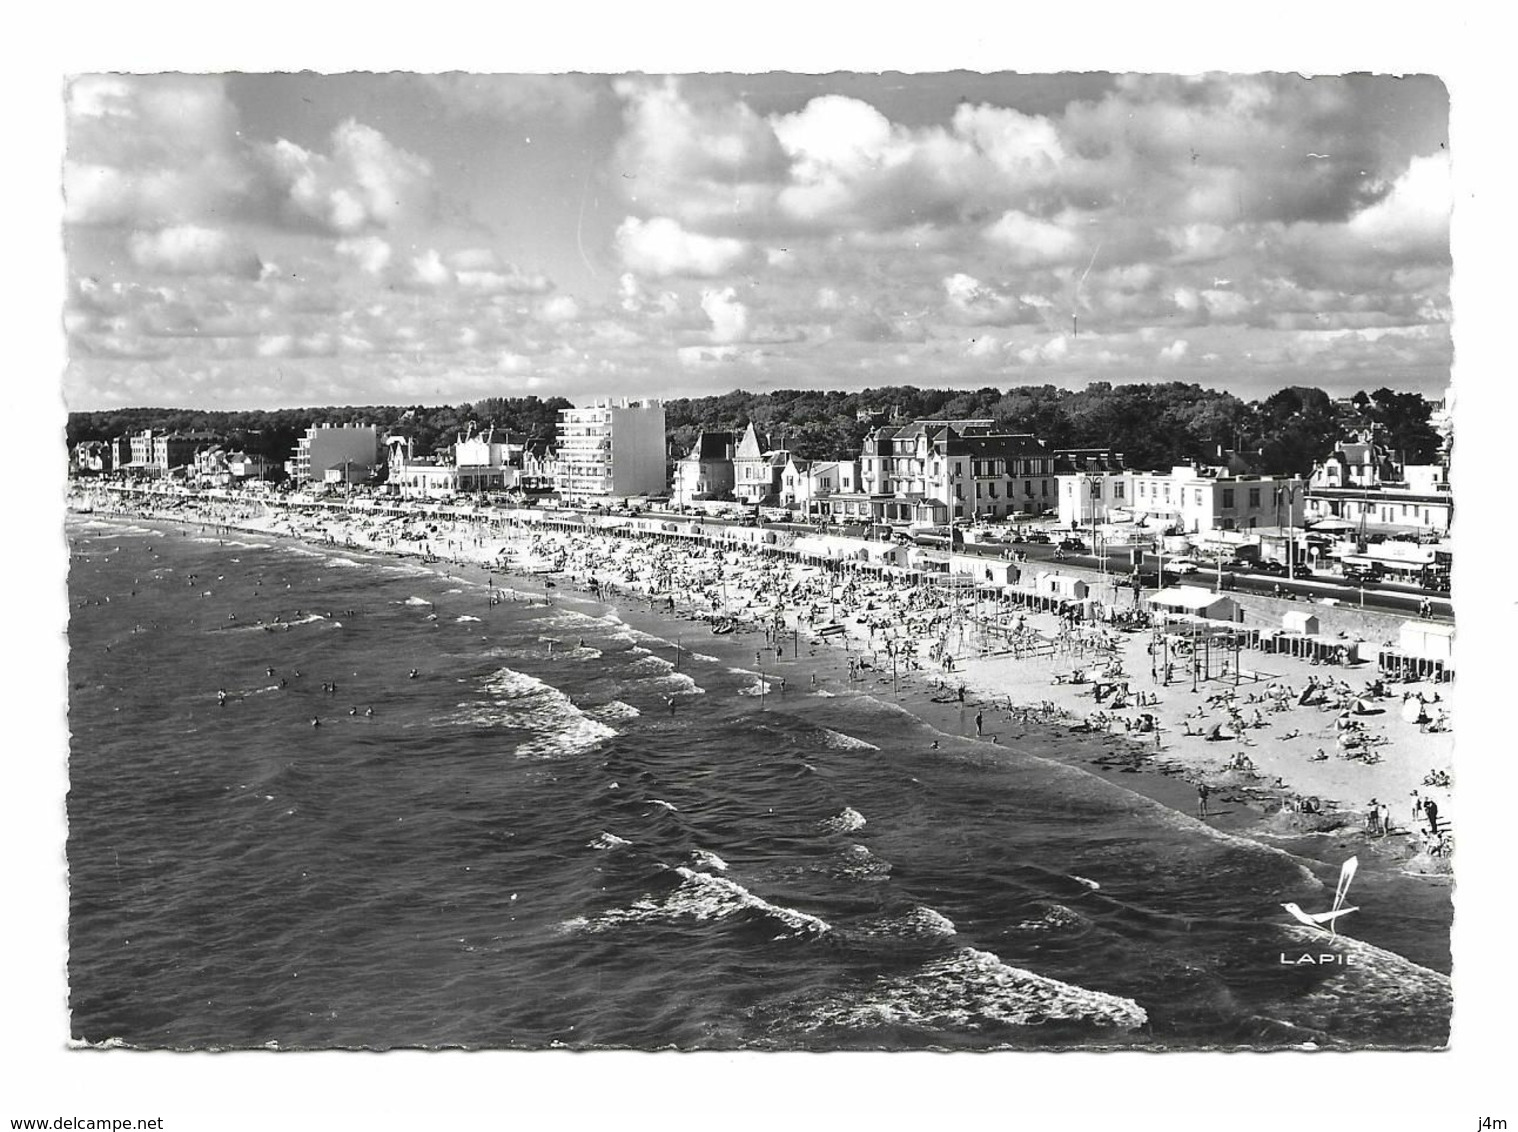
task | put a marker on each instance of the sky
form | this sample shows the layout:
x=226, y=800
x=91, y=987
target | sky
x=278, y=240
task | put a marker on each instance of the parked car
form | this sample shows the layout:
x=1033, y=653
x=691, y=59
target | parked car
x=1036, y=536
x=1073, y=546
x=1181, y=567
x=1362, y=575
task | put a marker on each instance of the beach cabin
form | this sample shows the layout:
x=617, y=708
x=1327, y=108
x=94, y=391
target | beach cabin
x=1197, y=602
x=1425, y=651
x=985, y=571
x=1061, y=586
x=1305, y=623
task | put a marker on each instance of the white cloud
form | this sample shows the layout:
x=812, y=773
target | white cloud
x=729, y=316
x=429, y=270
x=371, y=253
x=1414, y=216
x=559, y=308
x=660, y=247
x=1175, y=351
x=1054, y=350
x=1032, y=241
x=367, y=182
x=191, y=250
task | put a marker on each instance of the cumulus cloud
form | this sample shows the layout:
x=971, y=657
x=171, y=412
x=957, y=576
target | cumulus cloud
x=371, y=253
x=729, y=317
x=190, y=250
x=366, y=183
x=662, y=247
x=1175, y=351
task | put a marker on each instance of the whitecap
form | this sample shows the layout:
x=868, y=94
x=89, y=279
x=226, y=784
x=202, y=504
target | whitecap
x=758, y=688
x=670, y=806
x=706, y=859
x=608, y=841
x=846, y=821
x=968, y=990
x=838, y=741
x=524, y=702
x=1091, y=884
x=465, y=617
x=701, y=896
x=614, y=712
x=413, y=600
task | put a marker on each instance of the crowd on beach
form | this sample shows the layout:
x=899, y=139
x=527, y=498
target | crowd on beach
x=1310, y=742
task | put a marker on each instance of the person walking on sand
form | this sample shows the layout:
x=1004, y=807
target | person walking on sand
x=979, y=721
x=1202, y=791
x=1431, y=812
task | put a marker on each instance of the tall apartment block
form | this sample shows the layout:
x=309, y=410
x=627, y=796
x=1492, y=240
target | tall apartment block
x=612, y=448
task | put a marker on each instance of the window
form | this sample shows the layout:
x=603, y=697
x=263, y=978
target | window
x=1228, y=497
x=1198, y=497
x=1096, y=489
x=1117, y=490
x=1045, y=486
x=1254, y=497
x=1028, y=488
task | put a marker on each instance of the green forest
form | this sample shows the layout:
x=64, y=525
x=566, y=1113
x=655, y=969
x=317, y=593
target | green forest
x=1152, y=425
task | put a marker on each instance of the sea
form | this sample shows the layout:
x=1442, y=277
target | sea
x=325, y=798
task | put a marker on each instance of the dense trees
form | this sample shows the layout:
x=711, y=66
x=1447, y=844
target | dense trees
x=1152, y=425
x=272, y=432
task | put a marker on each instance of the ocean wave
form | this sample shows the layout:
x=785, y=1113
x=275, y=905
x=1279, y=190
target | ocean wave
x=919, y=923
x=1053, y=917
x=670, y=806
x=969, y=990
x=650, y=666
x=453, y=591
x=527, y=703
x=465, y=617
x=846, y=821
x=857, y=863
x=702, y=897
x=672, y=683
x=704, y=659
x=614, y=712
x=838, y=741
x=414, y=600
x=758, y=688
x=347, y=562
x=706, y=859
x=608, y=841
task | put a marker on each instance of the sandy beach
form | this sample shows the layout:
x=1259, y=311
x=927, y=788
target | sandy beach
x=1280, y=746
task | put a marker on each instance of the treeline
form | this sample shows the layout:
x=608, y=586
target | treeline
x=1152, y=425
x=273, y=432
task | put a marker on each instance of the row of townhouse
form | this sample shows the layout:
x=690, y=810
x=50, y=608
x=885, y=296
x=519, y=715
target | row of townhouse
x=154, y=453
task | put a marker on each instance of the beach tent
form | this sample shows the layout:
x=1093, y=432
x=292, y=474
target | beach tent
x=1196, y=601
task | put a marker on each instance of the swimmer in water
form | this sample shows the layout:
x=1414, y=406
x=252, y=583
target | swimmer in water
x=413, y=674
x=368, y=711
x=316, y=721
x=353, y=711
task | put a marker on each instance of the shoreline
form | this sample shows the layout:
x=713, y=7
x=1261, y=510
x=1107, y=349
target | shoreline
x=1014, y=697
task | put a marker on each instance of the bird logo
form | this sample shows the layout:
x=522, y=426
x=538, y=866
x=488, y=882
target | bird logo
x=1331, y=917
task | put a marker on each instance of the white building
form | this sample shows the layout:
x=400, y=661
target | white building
x=706, y=471
x=805, y=483
x=612, y=448
x=1361, y=483
x=352, y=449
x=1186, y=499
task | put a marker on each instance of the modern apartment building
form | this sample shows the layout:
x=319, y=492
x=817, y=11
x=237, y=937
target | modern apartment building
x=612, y=448
x=352, y=449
